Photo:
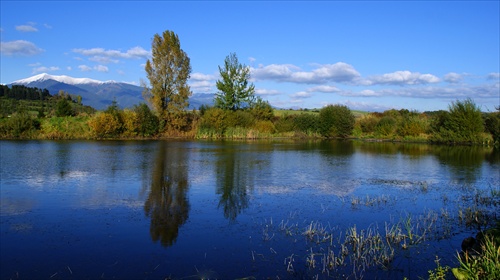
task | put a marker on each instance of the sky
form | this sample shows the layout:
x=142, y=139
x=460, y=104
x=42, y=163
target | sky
x=367, y=55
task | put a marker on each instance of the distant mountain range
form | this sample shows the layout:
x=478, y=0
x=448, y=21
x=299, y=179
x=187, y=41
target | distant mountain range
x=99, y=94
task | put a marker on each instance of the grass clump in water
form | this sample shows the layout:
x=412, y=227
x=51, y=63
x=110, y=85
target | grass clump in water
x=480, y=265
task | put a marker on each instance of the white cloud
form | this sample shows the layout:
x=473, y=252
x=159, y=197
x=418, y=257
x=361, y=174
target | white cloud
x=98, y=54
x=98, y=68
x=43, y=69
x=494, y=76
x=201, y=86
x=201, y=83
x=261, y=91
x=84, y=68
x=338, y=72
x=19, y=47
x=202, y=77
x=137, y=52
x=324, y=88
x=368, y=92
x=487, y=91
x=101, y=68
x=277, y=72
x=453, y=77
x=27, y=28
x=103, y=59
x=403, y=78
x=301, y=95
x=366, y=106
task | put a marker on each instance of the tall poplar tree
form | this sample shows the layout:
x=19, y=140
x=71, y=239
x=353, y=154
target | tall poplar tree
x=234, y=89
x=168, y=72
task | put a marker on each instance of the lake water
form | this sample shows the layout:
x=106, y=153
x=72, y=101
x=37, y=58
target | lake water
x=236, y=209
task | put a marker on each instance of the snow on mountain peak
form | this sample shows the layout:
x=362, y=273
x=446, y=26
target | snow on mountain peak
x=61, y=79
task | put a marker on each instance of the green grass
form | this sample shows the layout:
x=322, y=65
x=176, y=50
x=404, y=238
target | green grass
x=64, y=128
x=283, y=112
x=484, y=265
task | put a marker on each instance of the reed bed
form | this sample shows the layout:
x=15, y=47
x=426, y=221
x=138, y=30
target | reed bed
x=350, y=252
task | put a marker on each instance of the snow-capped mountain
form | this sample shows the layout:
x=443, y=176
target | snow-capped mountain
x=62, y=79
x=99, y=94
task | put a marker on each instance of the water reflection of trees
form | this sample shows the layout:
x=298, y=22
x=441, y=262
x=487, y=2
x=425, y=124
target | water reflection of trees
x=234, y=175
x=390, y=148
x=62, y=152
x=464, y=161
x=337, y=148
x=167, y=204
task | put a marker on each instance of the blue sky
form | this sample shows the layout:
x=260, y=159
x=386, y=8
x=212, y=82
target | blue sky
x=368, y=55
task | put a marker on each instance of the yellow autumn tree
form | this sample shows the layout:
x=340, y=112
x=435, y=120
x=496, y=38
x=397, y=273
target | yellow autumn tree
x=168, y=71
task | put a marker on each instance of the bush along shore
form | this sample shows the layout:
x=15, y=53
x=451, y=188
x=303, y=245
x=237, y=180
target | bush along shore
x=62, y=117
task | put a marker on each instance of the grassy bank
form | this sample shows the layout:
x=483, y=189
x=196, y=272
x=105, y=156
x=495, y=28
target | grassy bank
x=467, y=126
x=26, y=126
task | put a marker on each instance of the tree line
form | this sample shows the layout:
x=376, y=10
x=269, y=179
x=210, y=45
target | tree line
x=238, y=113
x=19, y=92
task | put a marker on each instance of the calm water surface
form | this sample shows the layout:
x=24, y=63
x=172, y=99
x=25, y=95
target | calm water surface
x=226, y=210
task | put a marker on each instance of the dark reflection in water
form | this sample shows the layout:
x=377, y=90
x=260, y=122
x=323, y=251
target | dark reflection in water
x=377, y=148
x=233, y=176
x=337, y=148
x=167, y=204
x=389, y=148
x=63, y=158
x=414, y=150
x=493, y=157
x=464, y=161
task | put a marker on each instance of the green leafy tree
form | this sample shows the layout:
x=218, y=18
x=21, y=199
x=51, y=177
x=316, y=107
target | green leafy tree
x=149, y=123
x=168, y=72
x=465, y=116
x=463, y=123
x=492, y=125
x=79, y=99
x=412, y=124
x=307, y=122
x=261, y=109
x=20, y=124
x=63, y=108
x=214, y=119
x=234, y=89
x=386, y=126
x=113, y=108
x=336, y=121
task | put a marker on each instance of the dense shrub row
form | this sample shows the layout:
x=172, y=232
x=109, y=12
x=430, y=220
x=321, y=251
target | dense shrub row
x=462, y=123
x=113, y=122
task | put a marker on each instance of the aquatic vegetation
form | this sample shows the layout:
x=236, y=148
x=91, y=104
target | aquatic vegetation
x=481, y=265
x=370, y=201
x=440, y=272
x=355, y=252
